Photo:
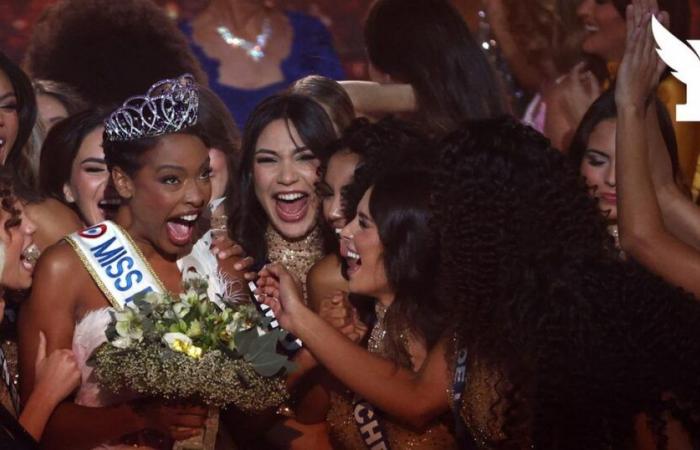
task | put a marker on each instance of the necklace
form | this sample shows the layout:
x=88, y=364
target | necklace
x=256, y=50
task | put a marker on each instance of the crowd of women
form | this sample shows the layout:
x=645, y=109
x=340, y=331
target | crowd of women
x=460, y=277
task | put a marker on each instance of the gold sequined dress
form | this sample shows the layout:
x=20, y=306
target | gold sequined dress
x=296, y=256
x=478, y=396
x=343, y=429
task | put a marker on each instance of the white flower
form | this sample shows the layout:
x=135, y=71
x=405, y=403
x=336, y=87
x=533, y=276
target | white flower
x=171, y=338
x=181, y=309
x=127, y=327
x=122, y=342
x=182, y=343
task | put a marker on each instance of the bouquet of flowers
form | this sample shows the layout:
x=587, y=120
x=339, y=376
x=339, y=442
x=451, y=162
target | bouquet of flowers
x=193, y=348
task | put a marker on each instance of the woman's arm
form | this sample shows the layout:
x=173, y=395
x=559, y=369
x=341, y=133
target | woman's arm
x=413, y=398
x=57, y=376
x=375, y=100
x=643, y=234
x=51, y=310
x=680, y=215
x=59, y=281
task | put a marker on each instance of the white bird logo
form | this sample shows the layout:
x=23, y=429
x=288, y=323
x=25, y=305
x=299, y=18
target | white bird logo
x=685, y=63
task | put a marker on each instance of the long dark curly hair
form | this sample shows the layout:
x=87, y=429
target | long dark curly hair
x=582, y=343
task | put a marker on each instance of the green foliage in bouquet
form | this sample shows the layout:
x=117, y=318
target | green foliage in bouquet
x=188, y=347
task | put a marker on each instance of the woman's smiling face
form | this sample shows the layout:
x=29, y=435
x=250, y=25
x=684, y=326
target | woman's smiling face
x=285, y=173
x=17, y=271
x=364, y=253
x=168, y=192
x=9, y=119
x=89, y=179
x=598, y=167
x=338, y=174
x=605, y=29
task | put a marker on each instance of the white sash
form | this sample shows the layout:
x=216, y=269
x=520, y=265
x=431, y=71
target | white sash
x=114, y=262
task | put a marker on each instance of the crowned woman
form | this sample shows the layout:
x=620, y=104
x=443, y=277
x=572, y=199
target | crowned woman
x=159, y=163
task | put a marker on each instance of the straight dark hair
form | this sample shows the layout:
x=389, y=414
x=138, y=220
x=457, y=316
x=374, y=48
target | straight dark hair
x=328, y=93
x=26, y=115
x=604, y=108
x=400, y=208
x=427, y=44
x=221, y=131
x=248, y=220
x=60, y=149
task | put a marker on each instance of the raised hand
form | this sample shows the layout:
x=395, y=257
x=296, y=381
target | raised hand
x=224, y=247
x=641, y=67
x=579, y=89
x=56, y=375
x=281, y=291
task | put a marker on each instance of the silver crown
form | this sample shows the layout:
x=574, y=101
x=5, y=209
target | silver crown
x=168, y=107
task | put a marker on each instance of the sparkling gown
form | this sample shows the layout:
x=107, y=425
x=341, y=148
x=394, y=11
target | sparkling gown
x=344, y=433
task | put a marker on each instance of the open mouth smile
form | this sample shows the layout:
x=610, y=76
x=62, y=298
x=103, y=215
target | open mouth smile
x=291, y=206
x=181, y=228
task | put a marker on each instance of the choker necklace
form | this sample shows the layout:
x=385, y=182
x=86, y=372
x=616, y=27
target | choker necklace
x=256, y=50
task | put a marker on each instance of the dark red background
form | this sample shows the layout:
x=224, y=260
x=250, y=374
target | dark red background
x=343, y=17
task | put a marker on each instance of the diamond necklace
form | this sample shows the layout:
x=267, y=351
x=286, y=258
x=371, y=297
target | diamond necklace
x=254, y=49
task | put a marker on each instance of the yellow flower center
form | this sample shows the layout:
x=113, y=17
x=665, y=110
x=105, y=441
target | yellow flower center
x=185, y=347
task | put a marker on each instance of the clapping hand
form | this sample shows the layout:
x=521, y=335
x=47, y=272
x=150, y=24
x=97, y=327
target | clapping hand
x=641, y=67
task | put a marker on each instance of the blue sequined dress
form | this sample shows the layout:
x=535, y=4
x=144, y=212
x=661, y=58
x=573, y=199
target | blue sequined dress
x=312, y=53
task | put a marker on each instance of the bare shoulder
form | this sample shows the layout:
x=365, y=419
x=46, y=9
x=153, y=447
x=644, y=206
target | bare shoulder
x=53, y=219
x=59, y=273
x=59, y=259
x=326, y=274
x=324, y=279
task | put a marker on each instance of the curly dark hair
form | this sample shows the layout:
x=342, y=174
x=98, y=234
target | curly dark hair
x=108, y=50
x=8, y=198
x=529, y=284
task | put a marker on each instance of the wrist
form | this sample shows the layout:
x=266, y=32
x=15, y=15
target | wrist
x=301, y=322
x=630, y=109
x=46, y=393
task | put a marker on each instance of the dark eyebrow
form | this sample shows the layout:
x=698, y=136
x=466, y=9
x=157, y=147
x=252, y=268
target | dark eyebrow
x=93, y=160
x=265, y=150
x=364, y=216
x=597, y=152
x=301, y=149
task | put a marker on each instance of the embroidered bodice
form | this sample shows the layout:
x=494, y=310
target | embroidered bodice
x=297, y=257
